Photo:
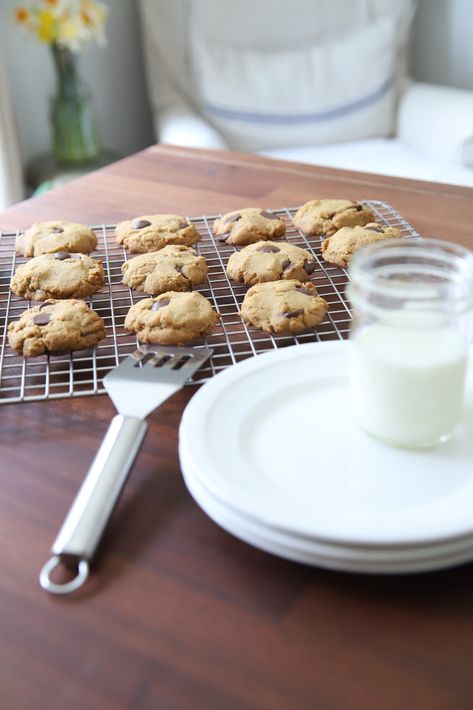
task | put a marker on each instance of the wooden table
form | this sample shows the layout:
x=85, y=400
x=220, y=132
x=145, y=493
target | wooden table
x=177, y=613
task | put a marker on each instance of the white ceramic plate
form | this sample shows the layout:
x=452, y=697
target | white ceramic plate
x=351, y=553
x=272, y=438
x=330, y=557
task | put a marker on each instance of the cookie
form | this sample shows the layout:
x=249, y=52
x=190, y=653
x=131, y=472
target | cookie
x=283, y=306
x=340, y=248
x=172, y=318
x=248, y=225
x=268, y=261
x=326, y=216
x=55, y=326
x=59, y=275
x=154, y=231
x=58, y=235
x=173, y=268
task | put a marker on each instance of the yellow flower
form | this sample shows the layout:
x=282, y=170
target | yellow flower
x=68, y=32
x=46, y=28
x=101, y=13
x=21, y=15
x=72, y=23
x=86, y=18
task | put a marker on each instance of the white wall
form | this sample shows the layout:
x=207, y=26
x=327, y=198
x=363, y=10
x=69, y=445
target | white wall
x=114, y=75
x=441, y=52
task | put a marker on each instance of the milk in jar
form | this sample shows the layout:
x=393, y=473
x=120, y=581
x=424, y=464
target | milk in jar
x=410, y=337
x=406, y=386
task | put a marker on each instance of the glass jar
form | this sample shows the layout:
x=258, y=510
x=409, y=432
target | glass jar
x=413, y=302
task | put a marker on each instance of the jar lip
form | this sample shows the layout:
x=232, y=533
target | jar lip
x=407, y=245
x=436, y=252
x=370, y=272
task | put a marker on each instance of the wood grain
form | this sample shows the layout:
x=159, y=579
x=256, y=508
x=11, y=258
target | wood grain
x=177, y=613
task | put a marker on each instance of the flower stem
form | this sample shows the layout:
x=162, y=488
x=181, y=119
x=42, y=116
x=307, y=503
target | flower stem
x=75, y=136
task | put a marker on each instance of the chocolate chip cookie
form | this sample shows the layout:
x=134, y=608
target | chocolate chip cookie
x=326, y=216
x=248, y=225
x=172, y=318
x=155, y=231
x=58, y=235
x=55, y=326
x=283, y=307
x=173, y=268
x=58, y=275
x=269, y=261
x=340, y=248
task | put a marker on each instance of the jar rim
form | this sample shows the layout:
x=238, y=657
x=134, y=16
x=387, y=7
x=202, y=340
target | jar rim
x=368, y=267
x=437, y=276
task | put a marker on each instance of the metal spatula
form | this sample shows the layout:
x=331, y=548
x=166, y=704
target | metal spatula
x=138, y=385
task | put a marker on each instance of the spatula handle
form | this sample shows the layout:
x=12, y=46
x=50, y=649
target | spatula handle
x=84, y=524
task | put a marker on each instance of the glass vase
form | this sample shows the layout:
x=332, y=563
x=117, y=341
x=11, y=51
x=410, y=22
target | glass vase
x=75, y=138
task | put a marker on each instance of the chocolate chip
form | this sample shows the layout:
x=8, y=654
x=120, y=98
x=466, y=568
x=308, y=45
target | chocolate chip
x=287, y=264
x=374, y=229
x=268, y=249
x=183, y=225
x=159, y=304
x=140, y=224
x=293, y=314
x=305, y=291
x=232, y=218
x=358, y=208
x=268, y=215
x=61, y=255
x=57, y=230
x=42, y=319
x=46, y=303
x=309, y=266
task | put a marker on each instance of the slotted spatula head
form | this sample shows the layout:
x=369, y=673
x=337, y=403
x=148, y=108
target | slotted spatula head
x=150, y=375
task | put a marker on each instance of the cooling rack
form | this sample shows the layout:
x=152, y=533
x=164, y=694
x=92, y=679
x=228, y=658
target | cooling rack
x=81, y=373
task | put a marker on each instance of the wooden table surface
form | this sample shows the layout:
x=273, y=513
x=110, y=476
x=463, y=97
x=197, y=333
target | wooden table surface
x=177, y=613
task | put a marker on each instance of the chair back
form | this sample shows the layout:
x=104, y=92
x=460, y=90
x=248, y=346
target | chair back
x=277, y=73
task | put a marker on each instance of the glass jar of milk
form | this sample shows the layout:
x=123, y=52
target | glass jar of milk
x=413, y=303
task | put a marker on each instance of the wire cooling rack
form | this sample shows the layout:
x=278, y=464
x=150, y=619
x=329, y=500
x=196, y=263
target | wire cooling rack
x=81, y=373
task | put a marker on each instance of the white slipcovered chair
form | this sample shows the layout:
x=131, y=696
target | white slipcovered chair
x=11, y=188
x=316, y=81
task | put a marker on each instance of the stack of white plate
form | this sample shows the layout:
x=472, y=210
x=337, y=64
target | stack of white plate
x=269, y=451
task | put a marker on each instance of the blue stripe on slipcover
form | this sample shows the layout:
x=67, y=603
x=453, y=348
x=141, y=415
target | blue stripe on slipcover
x=291, y=119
